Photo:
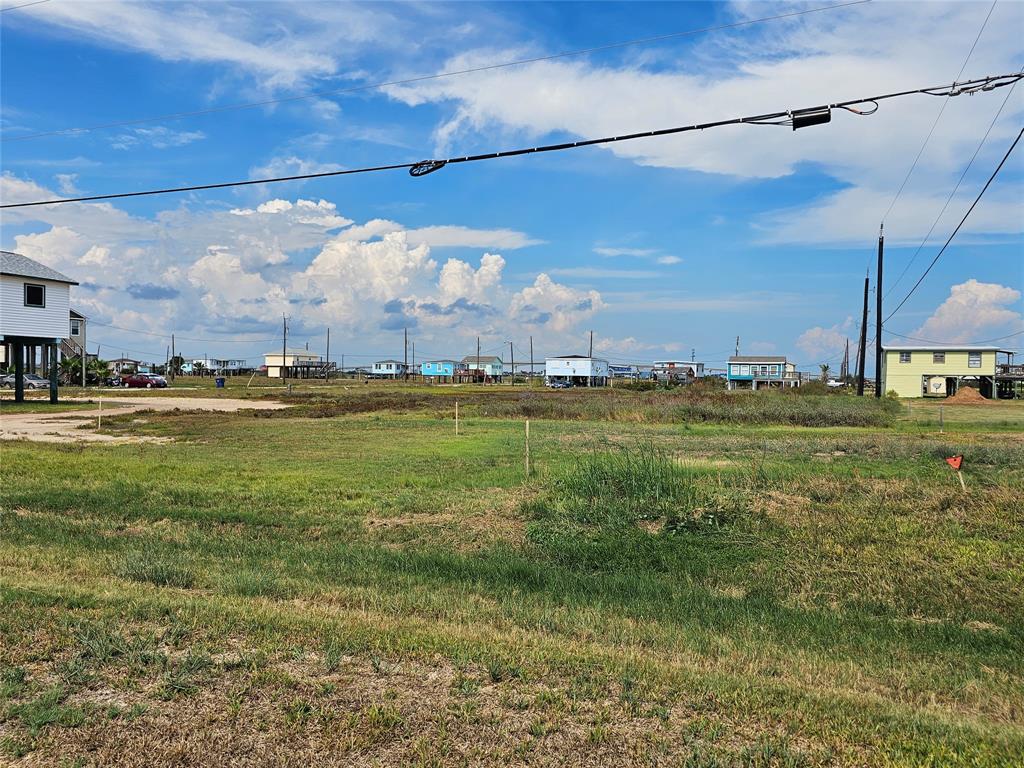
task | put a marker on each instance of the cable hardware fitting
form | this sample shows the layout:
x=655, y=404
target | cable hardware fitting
x=427, y=166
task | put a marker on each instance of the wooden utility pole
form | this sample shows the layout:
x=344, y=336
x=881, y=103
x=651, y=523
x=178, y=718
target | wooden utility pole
x=478, y=371
x=737, y=353
x=405, y=358
x=531, y=359
x=284, y=344
x=878, y=315
x=327, y=367
x=862, y=346
x=512, y=362
x=173, y=356
x=591, y=353
x=85, y=355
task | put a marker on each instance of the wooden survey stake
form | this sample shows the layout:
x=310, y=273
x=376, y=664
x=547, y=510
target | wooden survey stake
x=527, y=447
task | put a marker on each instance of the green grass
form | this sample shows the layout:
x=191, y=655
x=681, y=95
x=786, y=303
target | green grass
x=718, y=593
x=9, y=407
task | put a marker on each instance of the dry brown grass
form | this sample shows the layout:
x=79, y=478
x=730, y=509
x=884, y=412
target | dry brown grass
x=398, y=713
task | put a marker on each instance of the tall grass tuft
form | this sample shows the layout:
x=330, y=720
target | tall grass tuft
x=624, y=485
x=623, y=510
x=151, y=567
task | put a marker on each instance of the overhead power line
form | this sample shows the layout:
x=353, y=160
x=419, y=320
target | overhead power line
x=794, y=118
x=423, y=78
x=184, y=338
x=952, y=193
x=23, y=5
x=958, y=226
x=979, y=341
x=938, y=117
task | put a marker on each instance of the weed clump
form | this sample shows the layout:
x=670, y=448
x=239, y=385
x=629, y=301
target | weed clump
x=148, y=566
x=251, y=583
x=623, y=487
x=621, y=509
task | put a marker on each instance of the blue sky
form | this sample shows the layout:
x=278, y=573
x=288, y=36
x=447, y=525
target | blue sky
x=660, y=246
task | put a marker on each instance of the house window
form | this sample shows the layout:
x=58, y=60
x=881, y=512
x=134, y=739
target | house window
x=744, y=370
x=35, y=295
x=938, y=357
x=904, y=357
x=775, y=370
x=76, y=327
x=974, y=359
x=734, y=370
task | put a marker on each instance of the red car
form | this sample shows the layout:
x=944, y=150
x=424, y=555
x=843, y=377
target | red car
x=147, y=380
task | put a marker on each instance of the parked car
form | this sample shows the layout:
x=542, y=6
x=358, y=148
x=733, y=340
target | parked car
x=147, y=380
x=32, y=381
x=560, y=385
x=112, y=381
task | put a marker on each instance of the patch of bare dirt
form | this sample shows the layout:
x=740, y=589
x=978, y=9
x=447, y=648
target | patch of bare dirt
x=73, y=426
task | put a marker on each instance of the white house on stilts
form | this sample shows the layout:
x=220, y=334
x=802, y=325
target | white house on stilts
x=35, y=309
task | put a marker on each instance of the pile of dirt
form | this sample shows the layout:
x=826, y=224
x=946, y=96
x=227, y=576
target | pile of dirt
x=968, y=396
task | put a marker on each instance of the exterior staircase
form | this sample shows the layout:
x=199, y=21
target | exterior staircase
x=70, y=348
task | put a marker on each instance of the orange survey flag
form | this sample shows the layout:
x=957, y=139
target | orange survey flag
x=955, y=462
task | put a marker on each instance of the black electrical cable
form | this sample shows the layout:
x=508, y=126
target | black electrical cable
x=968, y=343
x=23, y=5
x=422, y=78
x=938, y=116
x=952, y=193
x=958, y=226
x=429, y=166
x=184, y=338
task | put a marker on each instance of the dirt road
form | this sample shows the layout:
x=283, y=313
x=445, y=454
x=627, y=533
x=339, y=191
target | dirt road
x=66, y=426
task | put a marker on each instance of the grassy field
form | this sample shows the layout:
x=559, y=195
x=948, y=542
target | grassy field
x=680, y=580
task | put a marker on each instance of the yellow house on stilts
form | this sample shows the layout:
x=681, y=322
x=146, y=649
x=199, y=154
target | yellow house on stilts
x=938, y=370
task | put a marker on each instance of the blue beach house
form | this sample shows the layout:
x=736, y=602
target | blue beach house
x=761, y=372
x=440, y=369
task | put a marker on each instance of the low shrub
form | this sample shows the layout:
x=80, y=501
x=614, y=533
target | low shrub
x=644, y=402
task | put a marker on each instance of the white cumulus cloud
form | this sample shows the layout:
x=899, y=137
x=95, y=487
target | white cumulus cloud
x=973, y=310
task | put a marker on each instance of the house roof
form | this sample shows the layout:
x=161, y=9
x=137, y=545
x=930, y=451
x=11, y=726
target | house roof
x=22, y=266
x=757, y=359
x=435, y=362
x=945, y=348
x=77, y=315
x=576, y=357
x=397, y=362
x=305, y=352
x=482, y=358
